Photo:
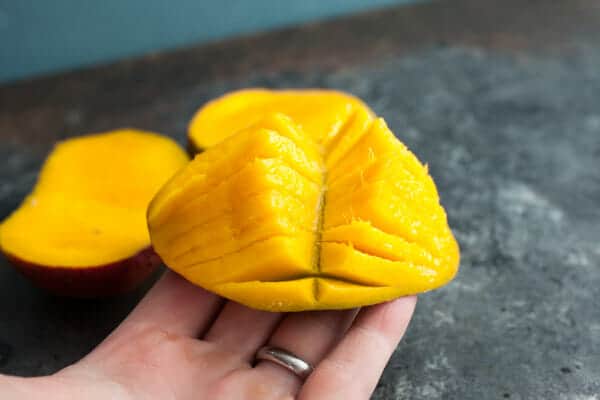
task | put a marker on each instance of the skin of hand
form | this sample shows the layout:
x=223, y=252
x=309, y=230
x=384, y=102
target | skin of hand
x=182, y=342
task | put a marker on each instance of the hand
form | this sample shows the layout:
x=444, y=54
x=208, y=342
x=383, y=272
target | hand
x=182, y=342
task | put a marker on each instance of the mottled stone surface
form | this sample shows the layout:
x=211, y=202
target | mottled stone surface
x=504, y=106
x=515, y=148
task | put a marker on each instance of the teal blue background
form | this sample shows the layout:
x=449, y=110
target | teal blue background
x=43, y=36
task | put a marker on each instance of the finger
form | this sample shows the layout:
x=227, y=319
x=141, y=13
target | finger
x=241, y=329
x=353, y=368
x=309, y=335
x=177, y=306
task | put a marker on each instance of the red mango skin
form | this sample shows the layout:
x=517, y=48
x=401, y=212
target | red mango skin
x=91, y=282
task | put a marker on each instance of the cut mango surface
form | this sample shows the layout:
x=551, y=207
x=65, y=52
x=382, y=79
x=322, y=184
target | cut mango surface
x=281, y=214
x=88, y=208
x=322, y=114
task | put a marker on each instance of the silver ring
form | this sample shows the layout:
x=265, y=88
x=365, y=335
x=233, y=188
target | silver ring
x=285, y=359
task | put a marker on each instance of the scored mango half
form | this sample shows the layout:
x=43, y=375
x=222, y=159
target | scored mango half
x=279, y=217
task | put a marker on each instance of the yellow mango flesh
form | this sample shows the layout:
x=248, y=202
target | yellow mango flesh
x=320, y=113
x=282, y=219
x=305, y=294
x=88, y=207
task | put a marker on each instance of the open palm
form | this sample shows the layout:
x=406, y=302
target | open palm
x=182, y=342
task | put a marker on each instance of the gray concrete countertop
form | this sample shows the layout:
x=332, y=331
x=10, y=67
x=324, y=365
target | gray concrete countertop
x=501, y=99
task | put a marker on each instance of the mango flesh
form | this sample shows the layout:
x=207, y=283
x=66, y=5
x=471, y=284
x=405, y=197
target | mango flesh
x=86, y=215
x=321, y=113
x=280, y=217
